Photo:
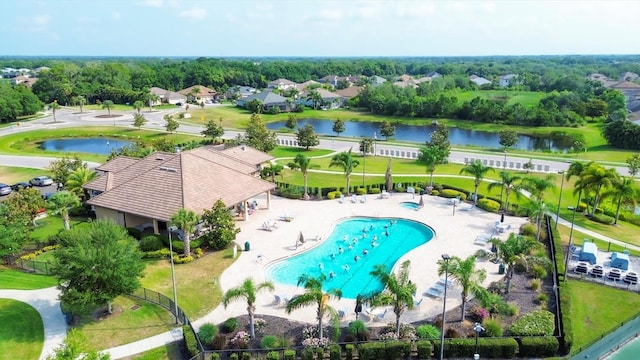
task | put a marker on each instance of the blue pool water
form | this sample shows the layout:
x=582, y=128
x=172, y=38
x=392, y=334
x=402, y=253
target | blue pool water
x=326, y=258
x=410, y=205
x=629, y=351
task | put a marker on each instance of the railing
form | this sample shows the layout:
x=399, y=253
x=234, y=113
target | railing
x=38, y=267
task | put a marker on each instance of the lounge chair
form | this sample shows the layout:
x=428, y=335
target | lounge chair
x=382, y=314
x=267, y=226
x=342, y=313
x=341, y=200
x=286, y=217
x=276, y=300
x=482, y=239
x=443, y=282
x=467, y=208
x=384, y=194
x=433, y=292
x=354, y=198
x=363, y=199
x=417, y=303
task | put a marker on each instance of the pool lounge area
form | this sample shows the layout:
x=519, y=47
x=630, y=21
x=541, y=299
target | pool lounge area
x=316, y=220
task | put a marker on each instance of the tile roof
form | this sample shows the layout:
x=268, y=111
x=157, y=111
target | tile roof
x=204, y=91
x=349, y=92
x=248, y=154
x=280, y=82
x=162, y=183
x=117, y=164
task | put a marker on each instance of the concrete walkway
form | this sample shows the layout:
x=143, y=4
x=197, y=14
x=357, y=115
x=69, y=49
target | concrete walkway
x=46, y=302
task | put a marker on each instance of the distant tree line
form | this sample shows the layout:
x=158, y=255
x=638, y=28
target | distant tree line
x=17, y=101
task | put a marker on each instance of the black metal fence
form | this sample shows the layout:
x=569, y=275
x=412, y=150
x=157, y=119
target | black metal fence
x=33, y=266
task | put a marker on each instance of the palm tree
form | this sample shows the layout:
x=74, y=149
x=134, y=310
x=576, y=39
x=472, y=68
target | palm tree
x=138, y=105
x=347, y=163
x=478, y=171
x=623, y=191
x=54, y=107
x=537, y=209
x=80, y=101
x=398, y=290
x=431, y=156
x=78, y=178
x=509, y=182
x=247, y=291
x=60, y=202
x=313, y=295
x=303, y=163
x=596, y=178
x=151, y=99
x=107, y=104
x=517, y=249
x=315, y=97
x=466, y=274
x=537, y=186
x=185, y=220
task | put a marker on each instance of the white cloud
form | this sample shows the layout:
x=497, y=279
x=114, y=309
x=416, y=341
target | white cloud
x=116, y=16
x=41, y=20
x=36, y=23
x=194, y=13
x=330, y=15
x=153, y=3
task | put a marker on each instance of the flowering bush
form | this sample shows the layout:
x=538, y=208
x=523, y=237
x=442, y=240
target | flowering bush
x=315, y=342
x=479, y=313
x=309, y=332
x=259, y=324
x=241, y=340
x=388, y=336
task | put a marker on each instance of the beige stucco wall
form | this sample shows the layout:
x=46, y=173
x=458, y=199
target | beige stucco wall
x=135, y=220
x=104, y=213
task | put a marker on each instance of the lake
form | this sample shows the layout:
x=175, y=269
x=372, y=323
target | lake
x=422, y=134
x=99, y=145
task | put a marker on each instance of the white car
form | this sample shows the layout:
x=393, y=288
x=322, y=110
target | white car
x=41, y=181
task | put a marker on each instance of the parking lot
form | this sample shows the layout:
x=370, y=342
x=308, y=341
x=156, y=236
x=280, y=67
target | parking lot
x=50, y=189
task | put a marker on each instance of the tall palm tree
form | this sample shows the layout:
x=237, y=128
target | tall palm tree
x=537, y=209
x=518, y=249
x=595, y=178
x=347, y=163
x=247, y=291
x=138, y=105
x=509, y=182
x=465, y=273
x=185, y=220
x=623, y=190
x=77, y=179
x=538, y=186
x=151, y=99
x=431, y=156
x=60, y=203
x=478, y=171
x=398, y=290
x=107, y=104
x=54, y=106
x=315, y=98
x=313, y=295
x=80, y=101
x=303, y=163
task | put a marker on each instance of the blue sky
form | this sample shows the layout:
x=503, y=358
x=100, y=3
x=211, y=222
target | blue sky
x=216, y=28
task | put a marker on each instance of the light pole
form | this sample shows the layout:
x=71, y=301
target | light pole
x=446, y=259
x=561, y=172
x=173, y=274
x=364, y=158
x=504, y=168
x=477, y=328
x=375, y=139
x=573, y=219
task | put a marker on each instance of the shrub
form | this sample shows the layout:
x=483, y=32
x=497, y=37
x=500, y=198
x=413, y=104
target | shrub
x=273, y=355
x=359, y=330
x=151, y=243
x=207, y=333
x=334, y=194
x=320, y=353
x=427, y=331
x=452, y=333
x=272, y=342
x=307, y=354
x=162, y=253
x=291, y=192
x=247, y=356
x=489, y=205
x=435, y=193
x=241, y=340
x=424, y=349
x=230, y=325
x=512, y=309
x=371, y=351
x=582, y=207
x=493, y=327
x=134, y=233
x=233, y=356
x=335, y=352
x=197, y=253
x=180, y=259
x=450, y=193
x=542, y=298
x=348, y=351
x=374, y=191
x=538, y=346
x=190, y=342
x=539, y=271
x=219, y=342
x=361, y=191
x=289, y=355
x=479, y=313
x=536, y=323
x=603, y=219
x=528, y=229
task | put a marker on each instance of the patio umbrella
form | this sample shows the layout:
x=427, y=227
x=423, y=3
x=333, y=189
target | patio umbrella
x=421, y=203
x=502, y=217
x=301, y=238
x=387, y=177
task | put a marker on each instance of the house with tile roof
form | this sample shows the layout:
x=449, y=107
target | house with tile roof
x=281, y=84
x=350, y=92
x=269, y=100
x=305, y=85
x=147, y=192
x=167, y=96
x=199, y=93
x=479, y=80
x=330, y=100
x=508, y=80
x=240, y=91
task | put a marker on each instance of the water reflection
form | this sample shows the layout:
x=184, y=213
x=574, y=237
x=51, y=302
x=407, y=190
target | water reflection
x=422, y=133
x=101, y=146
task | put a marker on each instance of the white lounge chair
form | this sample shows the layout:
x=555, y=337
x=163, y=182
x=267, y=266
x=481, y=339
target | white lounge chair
x=354, y=198
x=433, y=292
x=417, y=303
x=267, y=226
x=341, y=200
x=382, y=314
x=384, y=194
x=363, y=199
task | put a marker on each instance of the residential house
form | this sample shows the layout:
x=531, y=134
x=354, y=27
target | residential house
x=199, y=93
x=350, y=92
x=281, y=84
x=508, y=80
x=37, y=70
x=333, y=80
x=330, y=100
x=239, y=92
x=24, y=80
x=598, y=77
x=376, y=80
x=479, y=80
x=167, y=96
x=268, y=99
x=628, y=76
x=434, y=74
x=306, y=85
x=422, y=79
x=146, y=192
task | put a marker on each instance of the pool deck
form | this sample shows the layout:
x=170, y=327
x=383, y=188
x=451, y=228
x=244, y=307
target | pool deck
x=455, y=235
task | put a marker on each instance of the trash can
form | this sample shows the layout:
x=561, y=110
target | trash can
x=247, y=246
x=501, y=269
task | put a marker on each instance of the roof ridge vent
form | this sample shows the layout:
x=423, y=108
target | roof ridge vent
x=159, y=158
x=168, y=169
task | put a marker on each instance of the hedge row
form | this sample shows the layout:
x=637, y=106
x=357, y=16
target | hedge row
x=504, y=348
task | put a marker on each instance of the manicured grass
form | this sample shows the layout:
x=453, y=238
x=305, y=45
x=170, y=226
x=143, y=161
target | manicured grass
x=198, y=289
x=51, y=225
x=27, y=143
x=19, y=280
x=168, y=352
x=10, y=175
x=526, y=98
x=291, y=152
x=21, y=330
x=578, y=239
x=596, y=308
x=131, y=321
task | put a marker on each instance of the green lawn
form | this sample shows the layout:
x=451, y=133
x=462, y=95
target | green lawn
x=131, y=321
x=168, y=352
x=291, y=152
x=11, y=175
x=21, y=330
x=526, y=98
x=19, y=280
x=597, y=308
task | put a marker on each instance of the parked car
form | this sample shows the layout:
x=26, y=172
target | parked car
x=5, y=189
x=20, y=185
x=41, y=181
x=46, y=196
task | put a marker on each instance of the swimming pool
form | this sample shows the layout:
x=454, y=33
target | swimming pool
x=410, y=205
x=354, y=247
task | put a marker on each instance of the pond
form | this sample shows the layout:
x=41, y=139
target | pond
x=422, y=133
x=98, y=145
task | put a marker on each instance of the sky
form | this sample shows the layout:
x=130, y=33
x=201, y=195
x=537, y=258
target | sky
x=326, y=28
